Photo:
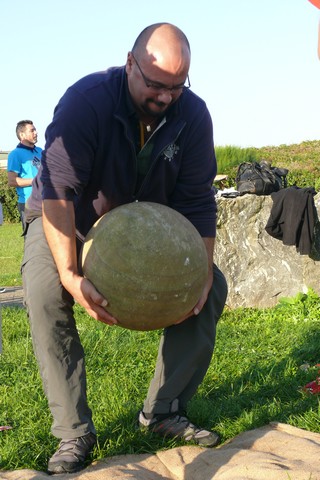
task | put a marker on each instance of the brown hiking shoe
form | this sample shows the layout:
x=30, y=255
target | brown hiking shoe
x=71, y=454
x=178, y=426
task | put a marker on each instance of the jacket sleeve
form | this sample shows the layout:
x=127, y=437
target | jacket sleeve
x=193, y=195
x=70, y=144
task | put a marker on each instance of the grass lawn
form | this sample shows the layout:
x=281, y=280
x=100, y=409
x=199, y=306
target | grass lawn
x=255, y=377
x=11, y=248
x=262, y=359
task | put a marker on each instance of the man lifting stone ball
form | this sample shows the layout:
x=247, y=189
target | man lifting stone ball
x=131, y=133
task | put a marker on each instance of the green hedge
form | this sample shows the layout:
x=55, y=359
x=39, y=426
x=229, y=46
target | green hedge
x=9, y=200
x=302, y=161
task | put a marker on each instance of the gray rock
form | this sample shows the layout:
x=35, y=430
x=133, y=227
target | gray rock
x=259, y=269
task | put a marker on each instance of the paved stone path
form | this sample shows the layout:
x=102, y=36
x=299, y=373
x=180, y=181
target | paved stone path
x=12, y=297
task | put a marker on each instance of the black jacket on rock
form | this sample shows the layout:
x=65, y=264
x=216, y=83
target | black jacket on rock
x=293, y=217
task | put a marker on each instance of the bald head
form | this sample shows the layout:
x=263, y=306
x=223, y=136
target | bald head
x=157, y=69
x=164, y=32
x=165, y=46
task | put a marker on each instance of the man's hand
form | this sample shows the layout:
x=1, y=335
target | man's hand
x=85, y=294
x=199, y=306
x=59, y=227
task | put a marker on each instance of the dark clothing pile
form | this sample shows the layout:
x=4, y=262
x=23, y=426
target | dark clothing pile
x=293, y=217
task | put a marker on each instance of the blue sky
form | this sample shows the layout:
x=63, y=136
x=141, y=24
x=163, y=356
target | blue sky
x=254, y=62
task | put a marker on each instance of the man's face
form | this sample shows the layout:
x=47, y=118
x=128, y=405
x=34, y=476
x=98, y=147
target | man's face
x=29, y=136
x=153, y=90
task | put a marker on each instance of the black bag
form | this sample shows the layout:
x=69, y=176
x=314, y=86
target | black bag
x=260, y=178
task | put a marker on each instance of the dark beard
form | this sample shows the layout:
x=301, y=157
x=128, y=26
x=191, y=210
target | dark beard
x=148, y=111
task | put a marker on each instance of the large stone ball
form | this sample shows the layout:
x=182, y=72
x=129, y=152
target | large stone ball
x=148, y=261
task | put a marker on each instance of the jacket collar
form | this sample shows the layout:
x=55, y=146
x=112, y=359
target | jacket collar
x=20, y=145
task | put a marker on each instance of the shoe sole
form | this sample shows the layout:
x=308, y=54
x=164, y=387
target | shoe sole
x=59, y=469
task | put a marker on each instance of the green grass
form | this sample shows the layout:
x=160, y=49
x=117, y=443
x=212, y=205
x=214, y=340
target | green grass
x=11, y=248
x=230, y=156
x=254, y=378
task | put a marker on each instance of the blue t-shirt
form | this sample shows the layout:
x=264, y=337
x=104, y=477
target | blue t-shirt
x=25, y=162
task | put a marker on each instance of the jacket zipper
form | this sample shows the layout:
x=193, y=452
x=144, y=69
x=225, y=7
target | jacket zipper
x=146, y=178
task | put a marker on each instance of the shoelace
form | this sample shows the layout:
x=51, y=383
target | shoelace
x=179, y=425
x=77, y=446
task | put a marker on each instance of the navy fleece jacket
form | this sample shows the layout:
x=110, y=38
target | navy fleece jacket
x=90, y=155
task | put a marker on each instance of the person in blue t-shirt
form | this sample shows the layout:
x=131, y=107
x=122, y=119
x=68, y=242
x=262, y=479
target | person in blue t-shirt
x=23, y=163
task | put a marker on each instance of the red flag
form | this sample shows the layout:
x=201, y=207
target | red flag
x=316, y=3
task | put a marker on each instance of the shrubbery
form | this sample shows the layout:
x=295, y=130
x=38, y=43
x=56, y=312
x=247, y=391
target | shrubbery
x=302, y=161
x=9, y=199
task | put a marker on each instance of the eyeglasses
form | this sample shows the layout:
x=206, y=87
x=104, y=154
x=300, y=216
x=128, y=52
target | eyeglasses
x=157, y=87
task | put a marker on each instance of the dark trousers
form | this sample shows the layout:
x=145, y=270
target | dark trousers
x=184, y=354
x=21, y=209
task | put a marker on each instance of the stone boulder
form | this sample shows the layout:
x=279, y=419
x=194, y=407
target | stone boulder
x=259, y=268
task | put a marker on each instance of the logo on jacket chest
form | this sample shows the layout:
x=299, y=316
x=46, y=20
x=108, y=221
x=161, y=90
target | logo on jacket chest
x=170, y=151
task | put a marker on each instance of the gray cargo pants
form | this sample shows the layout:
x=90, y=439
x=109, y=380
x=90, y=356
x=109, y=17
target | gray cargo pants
x=184, y=354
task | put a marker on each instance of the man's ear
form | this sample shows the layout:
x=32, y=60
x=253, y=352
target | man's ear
x=129, y=62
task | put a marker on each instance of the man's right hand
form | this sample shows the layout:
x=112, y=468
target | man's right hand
x=59, y=227
x=86, y=295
